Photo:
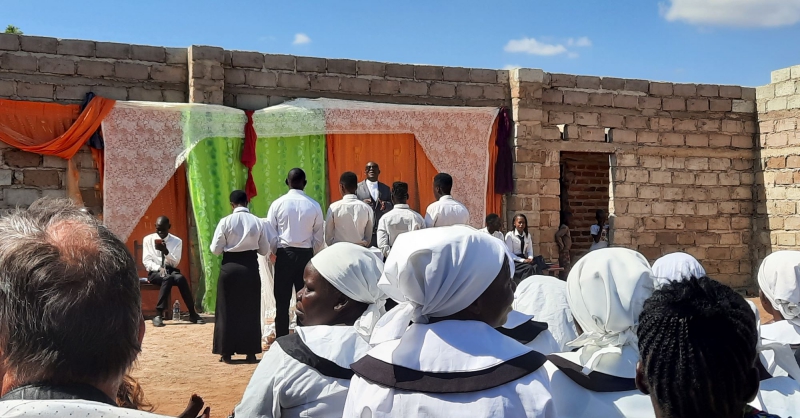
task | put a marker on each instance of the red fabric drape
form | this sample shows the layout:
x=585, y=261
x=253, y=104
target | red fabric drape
x=249, y=155
x=494, y=199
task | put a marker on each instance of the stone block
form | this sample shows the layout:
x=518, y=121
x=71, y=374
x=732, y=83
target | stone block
x=697, y=163
x=779, y=103
x=576, y=98
x=246, y=59
x=607, y=120
x=742, y=141
x=147, y=95
x=39, y=91
x=743, y=106
x=587, y=82
x=706, y=179
x=113, y=50
x=660, y=89
x=625, y=190
x=626, y=101
x=178, y=74
x=671, y=139
x=75, y=47
x=776, y=162
x=649, y=192
x=675, y=223
x=707, y=90
x=427, y=72
x=413, y=88
x=64, y=66
x=655, y=222
x=786, y=88
x=552, y=96
x=467, y=91
x=563, y=80
x=21, y=159
x=610, y=83
x=673, y=104
x=660, y=177
x=342, y=66
x=641, y=208
x=251, y=101
x=685, y=208
x=587, y=119
x=637, y=85
x=720, y=105
x=729, y=207
x=384, y=86
x=730, y=92
x=557, y=118
x=400, y=70
x=781, y=75
x=793, y=161
x=709, y=125
x=636, y=122
x=8, y=88
x=6, y=177
x=131, y=70
x=38, y=44
x=674, y=162
x=729, y=179
x=591, y=134
x=270, y=79
x=685, y=90
x=371, y=68
x=477, y=75
x=355, y=85
x=148, y=53
x=279, y=62
x=72, y=92
x=647, y=137
x=174, y=96
x=20, y=197
x=116, y=93
x=684, y=125
x=95, y=68
x=18, y=61
x=293, y=81
x=601, y=99
x=733, y=126
x=650, y=103
x=41, y=178
x=9, y=42
x=622, y=136
x=442, y=90
x=697, y=140
x=232, y=76
x=495, y=92
x=742, y=193
x=697, y=105
x=719, y=164
x=176, y=55
x=716, y=194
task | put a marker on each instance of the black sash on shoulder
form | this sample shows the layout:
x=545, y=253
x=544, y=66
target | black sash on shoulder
x=44, y=391
x=594, y=381
x=524, y=332
x=294, y=346
x=399, y=377
x=763, y=374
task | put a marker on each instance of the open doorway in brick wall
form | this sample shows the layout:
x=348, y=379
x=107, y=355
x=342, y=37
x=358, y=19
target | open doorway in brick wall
x=584, y=189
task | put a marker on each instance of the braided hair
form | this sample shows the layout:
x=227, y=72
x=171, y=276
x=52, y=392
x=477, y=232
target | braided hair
x=697, y=347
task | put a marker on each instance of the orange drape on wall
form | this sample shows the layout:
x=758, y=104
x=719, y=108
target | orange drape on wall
x=494, y=201
x=399, y=156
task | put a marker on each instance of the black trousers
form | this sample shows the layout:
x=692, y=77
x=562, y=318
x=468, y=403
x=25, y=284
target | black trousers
x=174, y=278
x=289, y=265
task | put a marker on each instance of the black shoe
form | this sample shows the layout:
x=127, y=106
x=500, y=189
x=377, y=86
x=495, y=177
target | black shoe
x=158, y=322
x=225, y=359
x=251, y=358
x=195, y=319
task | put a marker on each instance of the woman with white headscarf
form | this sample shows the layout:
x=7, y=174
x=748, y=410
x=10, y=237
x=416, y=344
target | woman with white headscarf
x=545, y=297
x=779, y=283
x=606, y=291
x=308, y=373
x=676, y=267
x=454, y=286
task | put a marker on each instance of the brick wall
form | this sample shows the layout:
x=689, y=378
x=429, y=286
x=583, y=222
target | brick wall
x=778, y=172
x=682, y=168
x=585, y=183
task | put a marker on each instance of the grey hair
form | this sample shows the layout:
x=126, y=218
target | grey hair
x=70, y=305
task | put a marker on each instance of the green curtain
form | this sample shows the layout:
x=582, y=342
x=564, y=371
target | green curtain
x=214, y=170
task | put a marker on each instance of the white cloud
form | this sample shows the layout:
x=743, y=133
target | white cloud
x=301, y=39
x=534, y=47
x=582, y=42
x=742, y=13
x=572, y=55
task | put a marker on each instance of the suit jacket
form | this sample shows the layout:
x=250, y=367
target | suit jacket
x=384, y=194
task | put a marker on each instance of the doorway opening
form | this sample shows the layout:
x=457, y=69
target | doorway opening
x=585, y=185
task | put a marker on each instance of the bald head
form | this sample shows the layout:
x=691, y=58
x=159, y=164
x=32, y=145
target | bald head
x=296, y=179
x=162, y=226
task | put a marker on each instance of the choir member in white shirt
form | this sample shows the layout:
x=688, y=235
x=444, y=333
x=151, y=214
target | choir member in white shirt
x=493, y=226
x=697, y=348
x=545, y=297
x=520, y=244
x=349, y=220
x=676, y=267
x=161, y=254
x=599, y=231
x=455, y=288
x=779, y=284
x=445, y=211
x=307, y=374
x=295, y=229
x=239, y=237
x=399, y=220
x=606, y=291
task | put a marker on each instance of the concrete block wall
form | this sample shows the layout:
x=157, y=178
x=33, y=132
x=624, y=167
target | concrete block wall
x=778, y=171
x=682, y=159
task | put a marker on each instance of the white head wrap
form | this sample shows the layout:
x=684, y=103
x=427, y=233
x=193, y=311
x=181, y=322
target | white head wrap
x=677, y=267
x=354, y=271
x=606, y=291
x=545, y=297
x=779, y=279
x=783, y=356
x=436, y=272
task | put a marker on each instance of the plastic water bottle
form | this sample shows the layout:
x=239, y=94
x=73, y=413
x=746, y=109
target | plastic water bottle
x=176, y=311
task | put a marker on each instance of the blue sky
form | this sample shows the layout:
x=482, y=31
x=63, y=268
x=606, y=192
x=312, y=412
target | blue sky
x=704, y=41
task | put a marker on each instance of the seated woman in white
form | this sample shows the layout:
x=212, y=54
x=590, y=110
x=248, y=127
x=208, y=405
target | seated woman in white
x=308, y=373
x=454, y=285
x=545, y=297
x=779, y=283
x=677, y=266
x=606, y=290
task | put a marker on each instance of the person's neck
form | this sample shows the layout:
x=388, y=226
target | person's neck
x=348, y=193
x=492, y=231
x=372, y=181
x=520, y=232
x=404, y=202
x=298, y=189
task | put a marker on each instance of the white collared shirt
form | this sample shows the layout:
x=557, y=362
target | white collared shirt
x=397, y=221
x=373, y=189
x=496, y=234
x=151, y=257
x=238, y=232
x=514, y=245
x=445, y=212
x=295, y=220
x=349, y=220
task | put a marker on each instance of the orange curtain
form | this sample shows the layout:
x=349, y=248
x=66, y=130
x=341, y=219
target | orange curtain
x=494, y=201
x=399, y=156
x=172, y=203
x=29, y=125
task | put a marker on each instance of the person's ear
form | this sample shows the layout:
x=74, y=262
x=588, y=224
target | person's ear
x=341, y=303
x=641, y=381
x=286, y=182
x=752, y=384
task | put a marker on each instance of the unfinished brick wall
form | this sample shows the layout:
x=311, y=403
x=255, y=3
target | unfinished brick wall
x=682, y=168
x=778, y=173
x=586, y=187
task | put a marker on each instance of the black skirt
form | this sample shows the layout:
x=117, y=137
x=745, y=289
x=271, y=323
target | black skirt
x=523, y=270
x=237, y=326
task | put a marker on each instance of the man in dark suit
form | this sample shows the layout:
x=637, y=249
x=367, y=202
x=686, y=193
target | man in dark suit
x=376, y=194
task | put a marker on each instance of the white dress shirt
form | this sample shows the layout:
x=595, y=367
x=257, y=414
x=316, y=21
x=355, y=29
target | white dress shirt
x=496, y=234
x=349, y=220
x=373, y=189
x=513, y=243
x=399, y=220
x=151, y=257
x=295, y=220
x=238, y=232
x=445, y=212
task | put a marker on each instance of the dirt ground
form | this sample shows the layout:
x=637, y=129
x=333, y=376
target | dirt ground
x=176, y=361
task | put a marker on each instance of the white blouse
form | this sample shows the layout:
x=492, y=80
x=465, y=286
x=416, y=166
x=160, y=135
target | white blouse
x=513, y=243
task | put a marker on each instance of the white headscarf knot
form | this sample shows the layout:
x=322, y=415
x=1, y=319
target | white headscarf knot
x=677, y=267
x=779, y=280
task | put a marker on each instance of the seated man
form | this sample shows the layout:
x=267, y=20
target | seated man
x=71, y=321
x=161, y=253
x=494, y=226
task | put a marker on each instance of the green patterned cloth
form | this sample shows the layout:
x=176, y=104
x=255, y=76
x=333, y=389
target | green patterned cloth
x=214, y=170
